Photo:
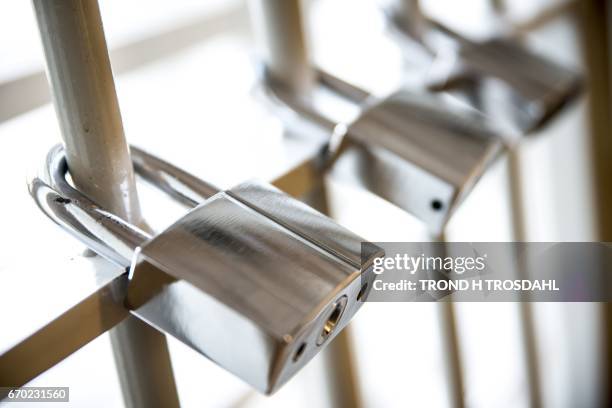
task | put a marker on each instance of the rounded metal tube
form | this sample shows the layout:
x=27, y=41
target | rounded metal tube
x=279, y=27
x=83, y=90
x=406, y=9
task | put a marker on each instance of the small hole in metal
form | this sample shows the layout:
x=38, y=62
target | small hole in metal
x=436, y=205
x=299, y=352
x=362, y=292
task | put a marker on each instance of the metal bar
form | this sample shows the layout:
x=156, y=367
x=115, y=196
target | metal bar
x=280, y=28
x=339, y=358
x=405, y=9
x=341, y=365
x=596, y=37
x=86, y=104
x=58, y=339
x=526, y=317
x=84, y=96
x=451, y=352
x=408, y=12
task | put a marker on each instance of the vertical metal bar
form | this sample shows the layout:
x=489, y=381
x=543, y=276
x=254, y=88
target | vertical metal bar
x=594, y=16
x=526, y=318
x=83, y=92
x=451, y=353
x=280, y=27
x=408, y=11
x=341, y=364
x=86, y=104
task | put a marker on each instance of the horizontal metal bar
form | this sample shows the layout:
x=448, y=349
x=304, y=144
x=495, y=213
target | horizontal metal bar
x=80, y=324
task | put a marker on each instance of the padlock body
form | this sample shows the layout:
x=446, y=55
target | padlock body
x=249, y=279
x=418, y=151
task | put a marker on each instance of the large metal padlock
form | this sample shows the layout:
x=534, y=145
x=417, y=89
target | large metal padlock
x=251, y=278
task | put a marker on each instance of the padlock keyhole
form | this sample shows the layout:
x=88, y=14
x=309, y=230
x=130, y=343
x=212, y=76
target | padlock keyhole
x=332, y=320
x=362, y=292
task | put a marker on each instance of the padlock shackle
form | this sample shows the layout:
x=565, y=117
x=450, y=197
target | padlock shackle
x=103, y=232
x=89, y=224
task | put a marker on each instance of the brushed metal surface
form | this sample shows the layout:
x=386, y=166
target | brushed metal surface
x=251, y=293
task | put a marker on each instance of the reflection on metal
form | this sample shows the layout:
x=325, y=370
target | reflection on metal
x=241, y=274
x=218, y=278
x=85, y=101
x=528, y=89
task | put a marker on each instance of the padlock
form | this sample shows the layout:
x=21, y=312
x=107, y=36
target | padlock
x=533, y=88
x=420, y=151
x=251, y=278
